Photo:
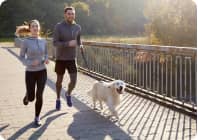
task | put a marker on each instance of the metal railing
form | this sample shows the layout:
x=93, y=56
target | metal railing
x=163, y=70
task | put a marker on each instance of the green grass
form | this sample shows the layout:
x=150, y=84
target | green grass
x=6, y=39
x=117, y=39
x=104, y=38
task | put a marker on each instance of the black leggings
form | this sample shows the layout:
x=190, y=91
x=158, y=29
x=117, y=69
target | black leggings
x=32, y=79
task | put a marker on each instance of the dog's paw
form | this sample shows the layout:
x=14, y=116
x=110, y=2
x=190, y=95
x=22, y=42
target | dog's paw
x=112, y=118
x=95, y=108
x=115, y=120
x=109, y=117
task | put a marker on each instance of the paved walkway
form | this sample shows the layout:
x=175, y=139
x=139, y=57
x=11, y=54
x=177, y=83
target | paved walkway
x=140, y=119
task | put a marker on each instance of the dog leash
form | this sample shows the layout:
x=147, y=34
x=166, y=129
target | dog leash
x=82, y=51
x=84, y=58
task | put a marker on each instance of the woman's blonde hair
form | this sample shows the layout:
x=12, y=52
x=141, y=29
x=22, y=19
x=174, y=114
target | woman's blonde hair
x=34, y=21
x=24, y=30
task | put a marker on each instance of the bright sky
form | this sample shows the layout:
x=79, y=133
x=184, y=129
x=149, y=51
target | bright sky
x=195, y=1
x=1, y=1
x=192, y=0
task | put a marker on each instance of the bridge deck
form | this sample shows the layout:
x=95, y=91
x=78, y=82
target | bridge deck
x=139, y=118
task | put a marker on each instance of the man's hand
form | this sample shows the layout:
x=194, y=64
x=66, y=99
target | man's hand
x=72, y=43
x=35, y=63
x=47, y=61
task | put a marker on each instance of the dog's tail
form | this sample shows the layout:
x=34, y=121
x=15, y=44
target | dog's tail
x=92, y=91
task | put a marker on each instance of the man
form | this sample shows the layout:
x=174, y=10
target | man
x=66, y=39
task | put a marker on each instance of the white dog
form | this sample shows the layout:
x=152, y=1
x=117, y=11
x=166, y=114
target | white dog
x=108, y=92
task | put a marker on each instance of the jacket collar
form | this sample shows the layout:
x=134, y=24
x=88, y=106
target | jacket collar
x=65, y=21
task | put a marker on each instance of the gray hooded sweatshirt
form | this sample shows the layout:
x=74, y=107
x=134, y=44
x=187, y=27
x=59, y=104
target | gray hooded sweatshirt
x=63, y=33
x=34, y=49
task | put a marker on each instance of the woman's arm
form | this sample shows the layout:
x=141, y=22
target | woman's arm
x=23, y=52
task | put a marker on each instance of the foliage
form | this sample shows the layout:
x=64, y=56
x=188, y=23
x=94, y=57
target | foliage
x=172, y=22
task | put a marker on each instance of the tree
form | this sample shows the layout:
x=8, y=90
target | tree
x=171, y=22
x=97, y=17
x=82, y=15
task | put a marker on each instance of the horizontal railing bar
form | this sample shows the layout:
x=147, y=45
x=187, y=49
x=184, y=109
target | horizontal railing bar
x=139, y=47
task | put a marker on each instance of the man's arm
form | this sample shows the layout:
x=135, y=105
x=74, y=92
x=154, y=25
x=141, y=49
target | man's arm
x=56, y=38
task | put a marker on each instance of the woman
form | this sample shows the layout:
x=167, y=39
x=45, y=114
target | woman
x=34, y=56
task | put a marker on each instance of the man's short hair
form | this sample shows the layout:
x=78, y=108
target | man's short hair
x=69, y=8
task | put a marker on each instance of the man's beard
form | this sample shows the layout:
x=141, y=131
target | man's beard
x=70, y=21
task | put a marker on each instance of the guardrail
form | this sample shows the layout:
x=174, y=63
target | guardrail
x=165, y=72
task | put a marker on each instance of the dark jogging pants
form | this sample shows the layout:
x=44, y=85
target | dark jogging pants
x=35, y=80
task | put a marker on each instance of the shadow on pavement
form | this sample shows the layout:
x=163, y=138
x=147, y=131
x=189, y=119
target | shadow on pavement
x=4, y=127
x=40, y=131
x=90, y=125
